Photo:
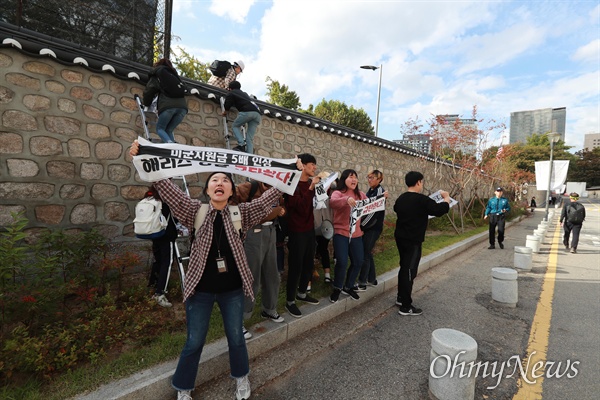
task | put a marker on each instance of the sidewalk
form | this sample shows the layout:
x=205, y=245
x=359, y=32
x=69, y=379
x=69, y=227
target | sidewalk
x=154, y=383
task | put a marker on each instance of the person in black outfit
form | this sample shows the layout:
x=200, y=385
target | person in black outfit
x=163, y=249
x=569, y=222
x=533, y=203
x=413, y=210
x=171, y=110
x=248, y=112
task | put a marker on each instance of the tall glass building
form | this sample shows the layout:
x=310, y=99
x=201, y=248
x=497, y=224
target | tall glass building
x=525, y=123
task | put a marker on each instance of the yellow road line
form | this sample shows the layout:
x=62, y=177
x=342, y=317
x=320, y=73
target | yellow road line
x=540, y=329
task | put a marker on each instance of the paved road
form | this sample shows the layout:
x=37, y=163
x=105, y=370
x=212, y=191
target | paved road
x=388, y=357
x=575, y=323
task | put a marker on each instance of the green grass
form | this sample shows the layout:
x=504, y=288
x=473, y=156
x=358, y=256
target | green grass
x=167, y=346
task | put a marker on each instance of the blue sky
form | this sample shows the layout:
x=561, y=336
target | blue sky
x=438, y=57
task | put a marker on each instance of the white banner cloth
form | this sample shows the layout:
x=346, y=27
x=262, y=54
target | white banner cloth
x=559, y=174
x=167, y=160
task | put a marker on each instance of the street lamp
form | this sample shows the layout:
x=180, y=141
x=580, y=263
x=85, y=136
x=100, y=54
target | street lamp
x=373, y=68
x=552, y=138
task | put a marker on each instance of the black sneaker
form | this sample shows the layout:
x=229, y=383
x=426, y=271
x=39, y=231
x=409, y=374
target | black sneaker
x=328, y=280
x=335, y=295
x=398, y=301
x=374, y=283
x=362, y=288
x=412, y=310
x=501, y=245
x=307, y=299
x=573, y=250
x=241, y=148
x=293, y=310
x=491, y=247
x=273, y=317
x=352, y=293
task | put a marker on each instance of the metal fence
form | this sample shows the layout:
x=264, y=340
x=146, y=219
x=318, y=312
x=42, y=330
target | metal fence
x=136, y=30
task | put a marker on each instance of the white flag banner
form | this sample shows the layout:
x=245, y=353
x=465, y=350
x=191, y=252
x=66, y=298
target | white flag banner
x=559, y=174
x=321, y=189
x=437, y=196
x=167, y=160
x=365, y=207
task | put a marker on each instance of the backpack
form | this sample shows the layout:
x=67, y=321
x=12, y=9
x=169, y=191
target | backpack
x=170, y=83
x=149, y=222
x=575, y=213
x=219, y=68
x=236, y=217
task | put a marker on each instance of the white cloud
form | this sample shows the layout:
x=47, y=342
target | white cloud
x=438, y=57
x=589, y=52
x=183, y=6
x=493, y=49
x=236, y=10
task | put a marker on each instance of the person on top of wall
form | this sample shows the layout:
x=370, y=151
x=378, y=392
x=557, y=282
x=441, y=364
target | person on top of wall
x=223, y=82
x=248, y=112
x=172, y=107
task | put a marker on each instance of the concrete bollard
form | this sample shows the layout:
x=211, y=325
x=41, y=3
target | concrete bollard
x=539, y=232
x=543, y=228
x=523, y=258
x=505, y=289
x=450, y=348
x=533, y=242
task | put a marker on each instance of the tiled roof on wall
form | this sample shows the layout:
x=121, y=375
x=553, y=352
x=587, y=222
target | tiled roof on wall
x=67, y=53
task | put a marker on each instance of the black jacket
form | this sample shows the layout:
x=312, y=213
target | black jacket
x=164, y=102
x=241, y=101
x=413, y=210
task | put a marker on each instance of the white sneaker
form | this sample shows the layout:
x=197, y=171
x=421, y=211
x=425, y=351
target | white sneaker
x=247, y=334
x=242, y=391
x=162, y=301
x=184, y=395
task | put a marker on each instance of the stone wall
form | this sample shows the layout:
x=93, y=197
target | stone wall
x=65, y=133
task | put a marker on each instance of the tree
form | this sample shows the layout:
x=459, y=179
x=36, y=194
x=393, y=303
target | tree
x=339, y=113
x=586, y=167
x=537, y=148
x=190, y=67
x=280, y=95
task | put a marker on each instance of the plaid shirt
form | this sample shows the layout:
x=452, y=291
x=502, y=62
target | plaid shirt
x=223, y=82
x=184, y=209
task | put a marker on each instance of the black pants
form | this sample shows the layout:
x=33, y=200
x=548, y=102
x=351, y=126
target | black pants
x=301, y=262
x=323, y=251
x=410, y=256
x=496, y=220
x=164, y=252
x=575, y=228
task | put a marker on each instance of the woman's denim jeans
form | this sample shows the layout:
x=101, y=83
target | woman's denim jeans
x=343, y=249
x=368, y=272
x=167, y=122
x=198, y=309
